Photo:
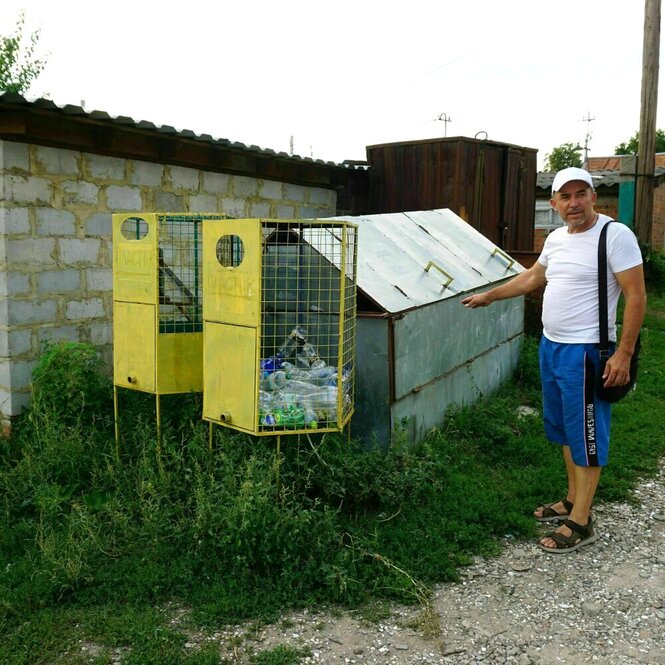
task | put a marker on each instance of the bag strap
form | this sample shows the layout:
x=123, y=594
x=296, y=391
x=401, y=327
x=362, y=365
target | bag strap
x=602, y=287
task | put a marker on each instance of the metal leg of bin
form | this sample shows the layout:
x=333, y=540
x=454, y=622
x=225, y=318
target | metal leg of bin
x=210, y=436
x=116, y=424
x=159, y=429
x=278, y=464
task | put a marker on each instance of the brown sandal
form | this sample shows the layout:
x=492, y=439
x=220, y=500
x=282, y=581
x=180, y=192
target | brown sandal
x=548, y=514
x=580, y=536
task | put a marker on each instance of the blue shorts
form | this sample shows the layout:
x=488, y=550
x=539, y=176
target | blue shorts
x=574, y=416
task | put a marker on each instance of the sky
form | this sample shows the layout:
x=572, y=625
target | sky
x=326, y=79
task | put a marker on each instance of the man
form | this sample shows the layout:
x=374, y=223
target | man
x=574, y=416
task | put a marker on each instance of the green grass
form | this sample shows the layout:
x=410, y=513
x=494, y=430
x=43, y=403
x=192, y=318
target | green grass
x=96, y=543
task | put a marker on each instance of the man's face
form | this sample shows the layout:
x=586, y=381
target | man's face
x=574, y=202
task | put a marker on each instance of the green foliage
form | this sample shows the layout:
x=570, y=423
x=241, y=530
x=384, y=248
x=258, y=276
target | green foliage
x=18, y=65
x=567, y=154
x=630, y=147
x=654, y=270
x=68, y=383
x=280, y=655
x=95, y=545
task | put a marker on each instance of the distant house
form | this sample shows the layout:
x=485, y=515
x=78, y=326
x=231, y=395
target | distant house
x=606, y=173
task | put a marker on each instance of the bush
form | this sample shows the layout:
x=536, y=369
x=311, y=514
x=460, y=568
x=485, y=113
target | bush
x=68, y=384
x=654, y=270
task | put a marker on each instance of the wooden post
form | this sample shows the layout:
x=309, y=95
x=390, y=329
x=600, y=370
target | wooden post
x=646, y=158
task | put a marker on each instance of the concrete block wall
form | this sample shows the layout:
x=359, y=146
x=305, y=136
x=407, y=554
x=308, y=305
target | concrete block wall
x=55, y=240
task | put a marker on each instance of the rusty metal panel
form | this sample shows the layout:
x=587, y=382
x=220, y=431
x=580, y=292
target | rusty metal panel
x=432, y=341
x=420, y=411
x=371, y=420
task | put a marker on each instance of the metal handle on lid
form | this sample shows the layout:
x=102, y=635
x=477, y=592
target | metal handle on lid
x=505, y=256
x=431, y=264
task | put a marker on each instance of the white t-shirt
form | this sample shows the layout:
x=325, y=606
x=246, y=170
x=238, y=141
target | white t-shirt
x=570, y=303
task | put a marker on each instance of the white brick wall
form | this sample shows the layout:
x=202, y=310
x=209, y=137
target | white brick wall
x=106, y=168
x=76, y=193
x=147, y=174
x=26, y=189
x=74, y=250
x=52, y=222
x=55, y=161
x=55, y=239
x=30, y=252
x=14, y=221
x=85, y=309
x=58, y=281
x=123, y=198
x=26, y=312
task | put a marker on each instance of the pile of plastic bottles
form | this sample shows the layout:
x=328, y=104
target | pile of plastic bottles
x=303, y=393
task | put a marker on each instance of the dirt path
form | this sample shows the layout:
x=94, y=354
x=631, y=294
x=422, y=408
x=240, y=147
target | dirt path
x=604, y=603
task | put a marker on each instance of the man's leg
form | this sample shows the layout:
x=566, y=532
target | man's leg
x=586, y=481
x=570, y=474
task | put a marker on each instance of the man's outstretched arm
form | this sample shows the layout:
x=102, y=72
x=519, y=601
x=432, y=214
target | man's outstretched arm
x=524, y=283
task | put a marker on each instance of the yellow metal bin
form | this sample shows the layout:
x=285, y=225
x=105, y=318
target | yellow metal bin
x=279, y=305
x=157, y=303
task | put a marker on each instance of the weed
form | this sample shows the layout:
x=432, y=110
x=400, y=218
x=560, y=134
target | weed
x=91, y=541
x=68, y=383
x=280, y=655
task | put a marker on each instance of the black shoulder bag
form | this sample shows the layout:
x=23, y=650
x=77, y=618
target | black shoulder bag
x=614, y=393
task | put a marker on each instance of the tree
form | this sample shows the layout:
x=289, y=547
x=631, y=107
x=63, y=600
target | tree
x=563, y=156
x=630, y=147
x=18, y=65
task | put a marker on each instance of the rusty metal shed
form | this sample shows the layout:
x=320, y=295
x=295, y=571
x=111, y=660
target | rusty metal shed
x=489, y=184
x=418, y=349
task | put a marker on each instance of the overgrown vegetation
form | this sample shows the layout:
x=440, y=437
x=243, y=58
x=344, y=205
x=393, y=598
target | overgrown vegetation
x=97, y=543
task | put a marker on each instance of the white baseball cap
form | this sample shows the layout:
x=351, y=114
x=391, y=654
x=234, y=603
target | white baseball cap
x=571, y=173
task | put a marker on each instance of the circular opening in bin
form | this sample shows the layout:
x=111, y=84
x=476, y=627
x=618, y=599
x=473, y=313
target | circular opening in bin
x=230, y=251
x=134, y=228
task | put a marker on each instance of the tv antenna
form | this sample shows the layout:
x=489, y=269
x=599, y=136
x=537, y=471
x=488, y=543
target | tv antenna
x=445, y=119
x=587, y=136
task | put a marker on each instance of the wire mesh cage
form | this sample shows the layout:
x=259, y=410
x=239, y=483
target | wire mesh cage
x=279, y=335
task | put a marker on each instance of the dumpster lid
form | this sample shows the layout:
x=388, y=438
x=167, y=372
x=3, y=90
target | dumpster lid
x=410, y=259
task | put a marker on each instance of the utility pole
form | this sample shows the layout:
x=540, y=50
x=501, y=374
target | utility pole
x=587, y=136
x=646, y=154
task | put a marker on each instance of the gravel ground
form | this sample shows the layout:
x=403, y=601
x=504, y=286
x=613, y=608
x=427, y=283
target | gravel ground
x=604, y=603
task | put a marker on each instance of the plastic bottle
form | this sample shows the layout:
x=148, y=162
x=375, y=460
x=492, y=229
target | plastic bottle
x=272, y=363
x=302, y=388
x=318, y=376
x=308, y=356
x=265, y=401
x=311, y=417
x=293, y=418
x=276, y=380
x=285, y=399
x=324, y=402
x=271, y=419
x=296, y=338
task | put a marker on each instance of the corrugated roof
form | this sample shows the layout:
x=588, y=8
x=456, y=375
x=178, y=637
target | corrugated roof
x=607, y=178
x=13, y=98
x=395, y=249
